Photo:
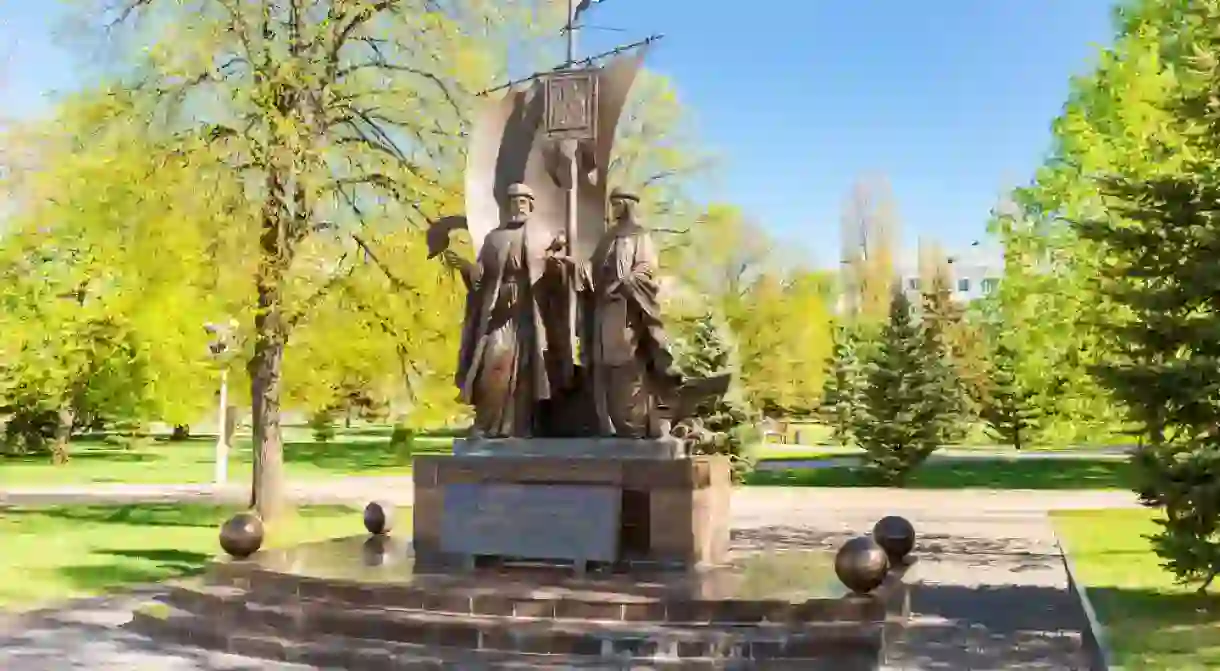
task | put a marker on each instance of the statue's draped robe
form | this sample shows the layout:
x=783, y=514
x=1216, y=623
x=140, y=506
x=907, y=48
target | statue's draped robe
x=503, y=366
x=627, y=349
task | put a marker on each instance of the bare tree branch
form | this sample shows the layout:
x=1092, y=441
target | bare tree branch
x=349, y=24
x=125, y=13
x=380, y=62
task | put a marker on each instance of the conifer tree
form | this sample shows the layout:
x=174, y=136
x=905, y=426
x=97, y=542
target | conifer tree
x=843, y=391
x=1159, y=236
x=898, y=425
x=704, y=348
x=1010, y=410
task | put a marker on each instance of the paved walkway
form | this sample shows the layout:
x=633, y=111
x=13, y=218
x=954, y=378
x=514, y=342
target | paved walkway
x=993, y=593
x=350, y=489
x=834, y=456
x=400, y=490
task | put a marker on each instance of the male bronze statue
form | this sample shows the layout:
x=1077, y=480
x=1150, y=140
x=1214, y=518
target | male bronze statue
x=507, y=365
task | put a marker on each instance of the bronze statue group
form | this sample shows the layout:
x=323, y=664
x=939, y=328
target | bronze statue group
x=524, y=368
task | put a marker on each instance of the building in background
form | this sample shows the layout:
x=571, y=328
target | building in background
x=975, y=272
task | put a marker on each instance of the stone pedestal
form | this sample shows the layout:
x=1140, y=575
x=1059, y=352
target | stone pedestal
x=573, y=508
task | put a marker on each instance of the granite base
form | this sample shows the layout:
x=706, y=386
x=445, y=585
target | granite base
x=574, y=509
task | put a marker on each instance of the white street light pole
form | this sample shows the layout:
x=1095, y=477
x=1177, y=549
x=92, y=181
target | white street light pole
x=220, y=347
x=222, y=445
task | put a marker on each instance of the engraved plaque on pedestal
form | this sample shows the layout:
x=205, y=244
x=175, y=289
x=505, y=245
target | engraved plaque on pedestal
x=559, y=522
x=571, y=105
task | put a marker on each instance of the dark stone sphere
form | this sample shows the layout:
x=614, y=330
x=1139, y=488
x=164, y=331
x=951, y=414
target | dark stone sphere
x=861, y=564
x=377, y=551
x=379, y=518
x=896, y=536
x=242, y=535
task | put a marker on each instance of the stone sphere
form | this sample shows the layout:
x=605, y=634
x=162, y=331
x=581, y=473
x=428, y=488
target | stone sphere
x=895, y=535
x=379, y=518
x=861, y=564
x=242, y=535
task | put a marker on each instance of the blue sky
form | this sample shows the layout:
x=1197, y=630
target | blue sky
x=950, y=99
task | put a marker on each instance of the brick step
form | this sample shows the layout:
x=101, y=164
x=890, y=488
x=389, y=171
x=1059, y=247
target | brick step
x=201, y=596
x=591, y=602
x=546, y=636
x=331, y=650
x=540, y=635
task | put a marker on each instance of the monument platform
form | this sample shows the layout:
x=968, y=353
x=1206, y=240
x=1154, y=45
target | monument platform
x=568, y=500
x=571, y=448
x=370, y=603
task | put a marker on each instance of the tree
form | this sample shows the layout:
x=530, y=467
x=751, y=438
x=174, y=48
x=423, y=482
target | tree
x=337, y=117
x=907, y=409
x=843, y=392
x=371, y=343
x=940, y=320
x=1158, y=233
x=782, y=330
x=703, y=347
x=657, y=151
x=101, y=275
x=1160, y=236
x=869, y=234
x=1010, y=410
x=1114, y=121
x=721, y=257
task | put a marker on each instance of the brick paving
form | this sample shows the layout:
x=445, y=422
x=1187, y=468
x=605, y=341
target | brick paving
x=993, y=592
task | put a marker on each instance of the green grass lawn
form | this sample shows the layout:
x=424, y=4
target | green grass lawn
x=814, y=436
x=54, y=553
x=1151, y=622
x=977, y=473
x=365, y=451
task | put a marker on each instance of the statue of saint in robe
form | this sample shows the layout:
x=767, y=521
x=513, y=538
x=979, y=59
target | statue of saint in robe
x=623, y=338
x=506, y=367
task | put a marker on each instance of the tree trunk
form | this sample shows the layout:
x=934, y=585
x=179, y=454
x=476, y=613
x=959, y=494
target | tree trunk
x=180, y=432
x=267, y=486
x=63, y=433
x=265, y=365
x=230, y=427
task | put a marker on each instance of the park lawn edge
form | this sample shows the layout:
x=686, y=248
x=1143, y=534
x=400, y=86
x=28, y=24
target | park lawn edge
x=1150, y=622
x=63, y=553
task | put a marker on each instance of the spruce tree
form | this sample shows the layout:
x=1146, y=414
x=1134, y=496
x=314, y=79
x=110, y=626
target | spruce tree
x=1010, y=410
x=898, y=425
x=704, y=348
x=1159, y=239
x=843, y=391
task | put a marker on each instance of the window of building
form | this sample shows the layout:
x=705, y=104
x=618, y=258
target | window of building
x=963, y=285
x=989, y=285
x=913, y=284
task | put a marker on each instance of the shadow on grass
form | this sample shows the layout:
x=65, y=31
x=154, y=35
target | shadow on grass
x=387, y=431
x=132, y=567
x=355, y=456
x=140, y=514
x=980, y=474
x=1148, y=629
x=112, y=455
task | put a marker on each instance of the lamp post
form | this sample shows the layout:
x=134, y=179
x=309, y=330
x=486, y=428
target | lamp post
x=220, y=347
